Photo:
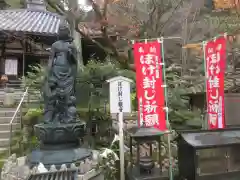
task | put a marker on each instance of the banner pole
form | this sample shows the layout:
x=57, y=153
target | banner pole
x=205, y=79
x=200, y=43
x=166, y=109
x=153, y=39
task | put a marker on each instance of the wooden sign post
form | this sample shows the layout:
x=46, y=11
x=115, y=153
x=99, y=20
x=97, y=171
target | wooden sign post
x=120, y=102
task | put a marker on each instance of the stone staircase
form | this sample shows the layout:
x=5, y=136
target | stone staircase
x=6, y=115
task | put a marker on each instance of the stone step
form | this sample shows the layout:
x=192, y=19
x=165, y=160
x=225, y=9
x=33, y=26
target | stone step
x=20, y=93
x=25, y=102
x=15, y=126
x=8, y=113
x=6, y=120
x=4, y=138
x=3, y=149
x=13, y=109
x=5, y=134
x=18, y=96
x=4, y=143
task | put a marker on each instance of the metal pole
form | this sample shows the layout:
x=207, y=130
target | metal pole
x=23, y=62
x=151, y=39
x=167, y=117
x=10, y=141
x=121, y=145
x=205, y=69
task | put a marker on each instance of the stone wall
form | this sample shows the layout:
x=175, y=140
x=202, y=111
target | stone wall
x=17, y=169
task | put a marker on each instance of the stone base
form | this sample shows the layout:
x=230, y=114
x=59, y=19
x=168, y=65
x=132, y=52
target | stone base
x=16, y=169
x=58, y=157
x=60, y=133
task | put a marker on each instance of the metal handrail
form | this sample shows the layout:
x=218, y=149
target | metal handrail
x=14, y=116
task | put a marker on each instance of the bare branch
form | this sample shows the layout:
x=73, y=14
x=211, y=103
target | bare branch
x=59, y=9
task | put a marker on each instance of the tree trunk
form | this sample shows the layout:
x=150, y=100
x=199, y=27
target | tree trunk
x=78, y=45
x=76, y=36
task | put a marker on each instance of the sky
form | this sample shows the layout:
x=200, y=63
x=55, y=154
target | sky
x=82, y=2
x=84, y=5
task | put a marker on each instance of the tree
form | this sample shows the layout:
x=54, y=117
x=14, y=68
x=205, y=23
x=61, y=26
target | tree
x=139, y=19
x=18, y=4
x=3, y=5
x=220, y=19
x=147, y=19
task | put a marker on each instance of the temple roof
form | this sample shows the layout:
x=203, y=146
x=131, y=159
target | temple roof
x=30, y=21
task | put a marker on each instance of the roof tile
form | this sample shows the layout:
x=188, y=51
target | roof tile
x=24, y=20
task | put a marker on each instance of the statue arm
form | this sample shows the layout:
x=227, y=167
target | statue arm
x=51, y=58
x=45, y=87
x=73, y=58
x=73, y=54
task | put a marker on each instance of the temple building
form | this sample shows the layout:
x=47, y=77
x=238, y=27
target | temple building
x=25, y=36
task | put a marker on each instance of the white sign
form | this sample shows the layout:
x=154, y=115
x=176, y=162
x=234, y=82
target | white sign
x=120, y=96
x=11, y=66
x=120, y=102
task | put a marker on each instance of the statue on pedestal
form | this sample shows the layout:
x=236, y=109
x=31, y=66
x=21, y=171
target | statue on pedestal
x=59, y=86
x=61, y=129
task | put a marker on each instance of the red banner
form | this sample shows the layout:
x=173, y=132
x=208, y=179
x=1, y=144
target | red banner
x=149, y=83
x=215, y=56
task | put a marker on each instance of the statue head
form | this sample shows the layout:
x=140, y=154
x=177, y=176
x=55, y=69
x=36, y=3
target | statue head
x=64, y=32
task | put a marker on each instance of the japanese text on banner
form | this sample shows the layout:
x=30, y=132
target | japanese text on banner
x=215, y=56
x=150, y=92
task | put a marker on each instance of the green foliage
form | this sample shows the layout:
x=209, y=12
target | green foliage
x=23, y=141
x=223, y=22
x=180, y=115
x=18, y=4
x=93, y=79
x=32, y=116
x=101, y=120
x=19, y=146
x=134, y=100
x=14, y=4
x=94, y=75
x=108, y=166
x=34, y=78
x=31, y=144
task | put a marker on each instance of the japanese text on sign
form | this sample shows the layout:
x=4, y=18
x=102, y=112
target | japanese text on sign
x=215, y=68
x=120, y=98
x=149, y=84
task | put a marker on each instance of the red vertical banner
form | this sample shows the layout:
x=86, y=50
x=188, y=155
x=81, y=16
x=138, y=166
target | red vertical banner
x=149, y=83
x=215, y=60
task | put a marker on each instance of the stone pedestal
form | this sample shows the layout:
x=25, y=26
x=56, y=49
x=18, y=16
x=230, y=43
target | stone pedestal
x=60, y=144
x=17, y=169
x=59, y=134
x=58, y=157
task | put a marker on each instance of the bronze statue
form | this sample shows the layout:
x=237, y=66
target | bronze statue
x=59, y=85
x=62, y=130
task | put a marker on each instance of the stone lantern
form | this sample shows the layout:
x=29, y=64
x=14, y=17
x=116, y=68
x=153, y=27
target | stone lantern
x=145, y=166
